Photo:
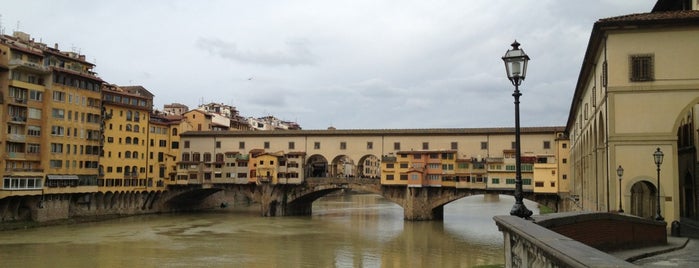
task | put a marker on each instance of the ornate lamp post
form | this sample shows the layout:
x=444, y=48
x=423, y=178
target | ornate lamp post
x=516, y=67
x=620, y=172
x=658, y=157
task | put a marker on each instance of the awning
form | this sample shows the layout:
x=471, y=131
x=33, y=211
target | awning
x=62, y=177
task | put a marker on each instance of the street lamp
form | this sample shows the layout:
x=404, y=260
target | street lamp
x=620, y=172
x=658, y=157
x=516, y=67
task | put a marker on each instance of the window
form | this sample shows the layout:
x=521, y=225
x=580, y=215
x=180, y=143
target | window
x=36, y=95
x=641, y=68
x=292, y=145
x=218, y=144
x=484, y=145
x=404, y=177
x=513, y=145
x=58, y=113
x=316, y=145
x=547, y=145
x=162, y=143
x=396, y=146
x=56, y=148
x=538, y=184
x=186, y=144
x=343, y=145
x=266, y=145
x=564, y=176
x=564, y=160
x=564, y=145
x=34, y=113
x=495, y=181
x=369, y=145
x=425, y=145
x=389, y=165
x=241, y=145
x=57, y=131
x=59, y=96
x=454, y=145
x=389, y=177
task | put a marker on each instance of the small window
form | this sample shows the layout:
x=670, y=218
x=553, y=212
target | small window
x=641, y=68
x=454, y=145
x=369, y=145
x=266, y=144
x=218, y=144
x=241, y=145
x=316, y=145
x=292, y=145
x=564, y=160
x=425, y=145
x=396, y=146
x=547, y=145
x=186, y=144
x=484, y=145
x=343, y=145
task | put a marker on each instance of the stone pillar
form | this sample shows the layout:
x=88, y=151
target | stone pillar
x=417, y=206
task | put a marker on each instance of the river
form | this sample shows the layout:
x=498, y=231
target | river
x=359, y=230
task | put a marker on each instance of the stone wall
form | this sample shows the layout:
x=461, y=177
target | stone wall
x=527, y=244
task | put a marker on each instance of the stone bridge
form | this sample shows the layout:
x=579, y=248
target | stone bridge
x=418, y=203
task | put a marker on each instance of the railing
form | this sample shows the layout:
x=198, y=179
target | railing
x=31, y=65
x=530, y=245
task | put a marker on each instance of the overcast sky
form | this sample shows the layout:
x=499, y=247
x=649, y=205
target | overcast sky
x=361, y=64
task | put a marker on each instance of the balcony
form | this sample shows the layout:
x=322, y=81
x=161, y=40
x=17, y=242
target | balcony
x=15, y=155
x=16, y=137
x=29, y=66
x=17, y=119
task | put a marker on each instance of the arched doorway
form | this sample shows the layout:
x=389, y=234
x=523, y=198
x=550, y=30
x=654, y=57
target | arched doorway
x=686, y=163
x=643, y=199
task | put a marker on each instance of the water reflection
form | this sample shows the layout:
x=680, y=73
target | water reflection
x=344, y=231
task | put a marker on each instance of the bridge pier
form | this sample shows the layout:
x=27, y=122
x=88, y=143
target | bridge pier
x=420, y=204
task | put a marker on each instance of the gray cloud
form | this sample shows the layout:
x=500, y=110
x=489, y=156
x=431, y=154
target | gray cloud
x=295, y=52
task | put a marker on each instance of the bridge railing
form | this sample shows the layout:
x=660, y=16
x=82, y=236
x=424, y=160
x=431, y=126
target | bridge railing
x=530, y=245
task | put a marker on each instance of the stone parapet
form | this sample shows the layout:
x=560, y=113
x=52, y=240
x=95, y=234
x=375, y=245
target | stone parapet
x=530, y=245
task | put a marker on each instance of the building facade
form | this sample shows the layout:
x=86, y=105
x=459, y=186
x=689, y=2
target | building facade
x=460, y=158
x=638, y=91
x=52, y=109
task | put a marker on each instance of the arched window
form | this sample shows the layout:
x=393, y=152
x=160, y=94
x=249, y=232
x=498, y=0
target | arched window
x=128, y=127
x=135, y=140
x=128, y=115
x=136, y=128
x=174, y=132
x=127, y=154
x=134, y=154
x=128, y=140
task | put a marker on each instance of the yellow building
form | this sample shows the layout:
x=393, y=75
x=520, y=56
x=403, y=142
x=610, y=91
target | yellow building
x=125, y=163
x=638, y=91
x=163, y=148
x=53, y=118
